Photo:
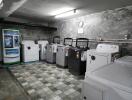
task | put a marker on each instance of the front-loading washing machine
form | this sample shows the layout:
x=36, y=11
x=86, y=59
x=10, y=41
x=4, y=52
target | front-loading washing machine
x=62, y=53
x=76, y=57
x=30, y=51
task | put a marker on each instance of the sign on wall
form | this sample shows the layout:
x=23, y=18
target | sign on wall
x=80, y=27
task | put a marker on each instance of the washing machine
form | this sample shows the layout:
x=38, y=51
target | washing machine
x=42, y=51
x=110, y=82
x=62, y=53
x=30, y=51
x=76, y=57
x=102, y=55
x=51, y=50
x=125, y=59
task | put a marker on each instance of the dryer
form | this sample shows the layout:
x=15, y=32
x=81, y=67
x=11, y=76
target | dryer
x=62, y=53
x=30, y=51
x=42, y=51
x=51, y=50
x=102, y=55
x=110, y=82
x=76, y=57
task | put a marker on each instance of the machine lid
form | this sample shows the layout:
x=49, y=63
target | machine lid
x=56, y=39
x=94, y=52
x=82, y=43
x=43, y=42
x=116, y=73
x=68, y=41
x=28, y=42
x=125, y=59
x=108, y=48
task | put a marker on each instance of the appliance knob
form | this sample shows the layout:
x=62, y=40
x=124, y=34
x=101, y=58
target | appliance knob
x=93, y=57
x=29, y=48
x=85, y=98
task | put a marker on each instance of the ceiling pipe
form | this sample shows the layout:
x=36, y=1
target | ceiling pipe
x=15, y=6
x=1, y=4
x=10, y=6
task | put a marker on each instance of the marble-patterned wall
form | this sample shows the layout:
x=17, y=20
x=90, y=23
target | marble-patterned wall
x=110, y=24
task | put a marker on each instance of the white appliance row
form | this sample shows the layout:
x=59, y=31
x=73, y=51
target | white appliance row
x=105, y=79
x=32, y=52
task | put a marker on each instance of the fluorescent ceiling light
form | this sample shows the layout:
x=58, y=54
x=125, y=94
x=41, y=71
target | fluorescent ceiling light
x=66, y=14
x=1, y=1
x=61, y=10
x=1, y=4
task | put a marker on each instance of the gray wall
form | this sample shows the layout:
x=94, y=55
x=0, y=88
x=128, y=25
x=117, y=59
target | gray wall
x=34, y=34
x=110, y=24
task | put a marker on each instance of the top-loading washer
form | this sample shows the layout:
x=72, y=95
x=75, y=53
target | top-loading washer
x=51, y=50
x=76, y=56
x=62, y=53
x=30, y=51
x=42, y=51
x=125, y=59
x=102, y=55
x=110, y=82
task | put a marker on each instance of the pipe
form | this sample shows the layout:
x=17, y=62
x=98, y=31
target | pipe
x=9, y=6
x=15, y=6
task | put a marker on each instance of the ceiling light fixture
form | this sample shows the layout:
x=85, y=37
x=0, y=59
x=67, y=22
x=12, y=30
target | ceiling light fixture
x=1, y=4
x=61, y=10
x=66, y=14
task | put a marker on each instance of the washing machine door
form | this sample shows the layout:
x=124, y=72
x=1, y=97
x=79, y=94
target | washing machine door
x=95, y=60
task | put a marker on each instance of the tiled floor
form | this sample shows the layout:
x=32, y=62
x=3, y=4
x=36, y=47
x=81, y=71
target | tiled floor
x=9, y=88
x=44, y=81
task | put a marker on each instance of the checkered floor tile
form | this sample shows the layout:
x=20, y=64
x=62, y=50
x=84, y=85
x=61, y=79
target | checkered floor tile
x=44, y=81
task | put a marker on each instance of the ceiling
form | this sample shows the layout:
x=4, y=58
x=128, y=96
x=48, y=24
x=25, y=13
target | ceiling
x=40, y=10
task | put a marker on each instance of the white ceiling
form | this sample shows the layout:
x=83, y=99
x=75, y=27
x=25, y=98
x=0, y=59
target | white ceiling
x=39, y=10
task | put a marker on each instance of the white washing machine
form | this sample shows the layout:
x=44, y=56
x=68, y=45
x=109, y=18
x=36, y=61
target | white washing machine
x=30, y=51
x=42, y=46
x=62, y=53
x=102, y=55
x=51, y=50
x=110, y=82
